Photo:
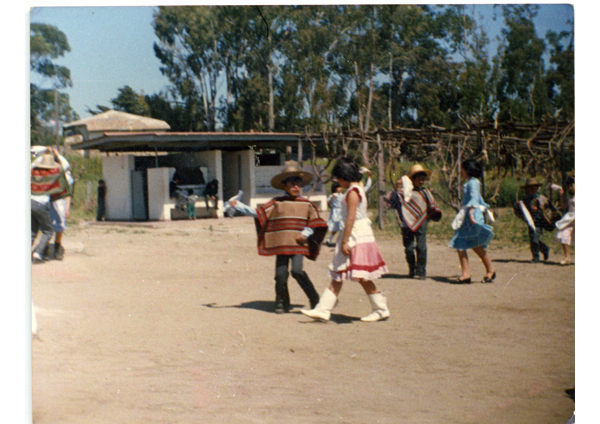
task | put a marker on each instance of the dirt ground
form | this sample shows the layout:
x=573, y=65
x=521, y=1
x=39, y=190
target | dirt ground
x=172, y=322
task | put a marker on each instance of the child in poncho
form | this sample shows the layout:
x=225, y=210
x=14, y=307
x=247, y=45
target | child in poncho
x=415, y=206
x=290, y=228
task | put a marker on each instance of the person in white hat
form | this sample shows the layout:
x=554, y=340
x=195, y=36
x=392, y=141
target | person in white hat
x=45, y=175
x=415, y=206
x=534, y=203
x=60, y=203
x=290, y=228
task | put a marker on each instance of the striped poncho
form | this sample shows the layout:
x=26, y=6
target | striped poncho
x=49, y=182
x=415, y=210
x=280, y=220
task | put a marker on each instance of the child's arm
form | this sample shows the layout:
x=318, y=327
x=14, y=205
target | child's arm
x=352, y=200
x=245, y=209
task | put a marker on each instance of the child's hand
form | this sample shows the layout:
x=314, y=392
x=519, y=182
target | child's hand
x=233, y=203
x=345, y=249
x=300, y=239
x=472, y=216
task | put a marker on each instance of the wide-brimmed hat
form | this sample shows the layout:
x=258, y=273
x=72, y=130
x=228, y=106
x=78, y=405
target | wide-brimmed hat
x=531, y=182
x=415, y=169
x=47, y=162
x=290, y=171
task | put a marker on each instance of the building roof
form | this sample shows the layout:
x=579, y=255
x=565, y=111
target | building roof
x=113, y=120
x=186, y=141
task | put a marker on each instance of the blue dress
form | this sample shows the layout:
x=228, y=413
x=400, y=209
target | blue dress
x=470, y=235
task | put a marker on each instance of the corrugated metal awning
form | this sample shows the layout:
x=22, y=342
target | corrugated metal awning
x=186, y=141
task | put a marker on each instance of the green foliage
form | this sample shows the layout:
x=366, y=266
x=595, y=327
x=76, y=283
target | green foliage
x=86, y=172
x=507, y=195
x=46, y=43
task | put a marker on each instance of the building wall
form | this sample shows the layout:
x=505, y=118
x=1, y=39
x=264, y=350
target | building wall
x=116, y=171
x=159, y=204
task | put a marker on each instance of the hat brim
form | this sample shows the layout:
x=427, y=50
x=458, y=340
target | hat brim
x=426, y=171
x=531, y=185
x=277, y=180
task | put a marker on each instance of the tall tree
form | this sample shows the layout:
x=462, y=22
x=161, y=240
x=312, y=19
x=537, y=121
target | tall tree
x=522, y=93
x=561, y=75
x=47, y=103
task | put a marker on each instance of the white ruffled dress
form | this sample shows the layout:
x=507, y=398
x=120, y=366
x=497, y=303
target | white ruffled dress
x=365, y=260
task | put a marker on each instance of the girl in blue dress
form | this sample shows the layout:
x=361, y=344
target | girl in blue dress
x=471, y=232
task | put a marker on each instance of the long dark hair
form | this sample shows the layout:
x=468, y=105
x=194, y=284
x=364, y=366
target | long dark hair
x=472, y=168
x=346, y=169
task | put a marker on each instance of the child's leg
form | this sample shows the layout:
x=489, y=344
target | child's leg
x=322, y=311
x=378, y=302
x=282, y=295
x=302, y=278
x=567, y=252
x=421, y=236
x=485, y=259
x=408, y=240
x=534, y=243
x=464, y=264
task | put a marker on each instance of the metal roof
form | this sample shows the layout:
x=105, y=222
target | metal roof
x=114, y=120
x=186, y=141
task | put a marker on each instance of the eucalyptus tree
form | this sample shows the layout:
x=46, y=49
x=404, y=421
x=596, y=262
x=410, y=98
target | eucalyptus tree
x=188, y=51
x=561, y=73
x=47, y=103
x=522, y=92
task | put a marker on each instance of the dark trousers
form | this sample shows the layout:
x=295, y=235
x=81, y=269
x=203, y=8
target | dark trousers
x=282, y=295
x=536, y=244
x=41, y=221
x=415, y=242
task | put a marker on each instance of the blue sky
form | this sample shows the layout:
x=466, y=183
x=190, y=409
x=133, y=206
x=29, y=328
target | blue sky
x=112, y=47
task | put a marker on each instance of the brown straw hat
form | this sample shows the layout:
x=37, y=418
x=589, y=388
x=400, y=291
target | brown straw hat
x=529, y=182
x=47, y=162
x=415, y=169
x=290, y=171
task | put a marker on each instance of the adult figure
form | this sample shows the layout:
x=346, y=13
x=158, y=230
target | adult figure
x=211, y=192
x=45, y=175
x=60, y=204
x=471, y=231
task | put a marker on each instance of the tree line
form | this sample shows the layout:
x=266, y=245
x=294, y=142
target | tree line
x=332, y=68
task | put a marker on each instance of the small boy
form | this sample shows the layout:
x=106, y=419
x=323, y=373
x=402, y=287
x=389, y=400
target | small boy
x=290, y=228
x=415, y=206
x=534, y=203
x=191, y=204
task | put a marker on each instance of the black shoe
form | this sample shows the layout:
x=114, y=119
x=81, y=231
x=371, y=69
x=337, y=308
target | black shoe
x=420, y=277
x=546, y=255
x=489, y=279
x=535, y=261
x=465, y=281
x=59, y=252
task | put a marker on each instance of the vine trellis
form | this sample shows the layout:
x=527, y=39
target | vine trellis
x=519, y=148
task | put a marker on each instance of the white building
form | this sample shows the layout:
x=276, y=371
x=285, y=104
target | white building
x=139, y=166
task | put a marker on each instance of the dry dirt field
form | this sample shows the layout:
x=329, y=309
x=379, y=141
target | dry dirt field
x=173, y=322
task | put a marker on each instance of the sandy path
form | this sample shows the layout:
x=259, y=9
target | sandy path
x=173, y=323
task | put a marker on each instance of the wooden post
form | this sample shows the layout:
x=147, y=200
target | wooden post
x=380, y=183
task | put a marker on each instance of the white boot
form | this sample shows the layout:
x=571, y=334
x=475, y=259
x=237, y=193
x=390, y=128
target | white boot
x=323, y=309
x=380, y=309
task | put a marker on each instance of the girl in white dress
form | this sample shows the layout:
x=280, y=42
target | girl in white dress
x=566, y=226
x=357, y=256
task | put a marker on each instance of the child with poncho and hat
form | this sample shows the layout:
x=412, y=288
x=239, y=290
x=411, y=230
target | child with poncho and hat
x=415, y=206
x=290, y=228
x=530, y=209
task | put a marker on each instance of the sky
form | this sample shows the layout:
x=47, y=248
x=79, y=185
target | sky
x=112, y=47
x=110, y=50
